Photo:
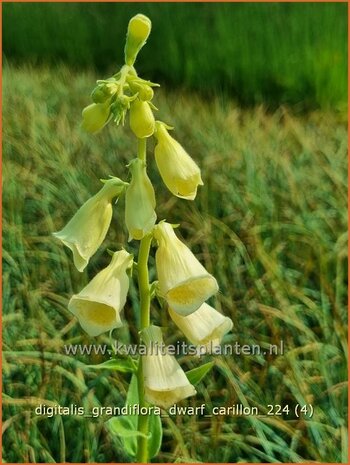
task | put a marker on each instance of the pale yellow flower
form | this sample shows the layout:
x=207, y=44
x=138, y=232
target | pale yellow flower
x=179, y=172
x=95, y=116
x=204, y=327
x=85, y=232
x=164, y=380
x=183, y=281
x=98, y=305
x=140, y=202
x=142, y=121
x=139, y=29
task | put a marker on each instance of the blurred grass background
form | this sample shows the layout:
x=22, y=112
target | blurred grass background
x=272, y=52
x=270, y=223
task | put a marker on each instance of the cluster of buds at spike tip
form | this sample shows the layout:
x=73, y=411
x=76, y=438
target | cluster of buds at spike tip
x=183, y=282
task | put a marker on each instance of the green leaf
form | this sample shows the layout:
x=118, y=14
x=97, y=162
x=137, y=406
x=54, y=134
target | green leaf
x=132, y=397
x=125, y=427
x=122, y=365
x=156, y=430
x=196, y=375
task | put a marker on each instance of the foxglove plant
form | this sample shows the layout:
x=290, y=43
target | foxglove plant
x=183, y=283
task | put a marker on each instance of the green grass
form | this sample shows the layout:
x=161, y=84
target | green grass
x=270, y=223
x=256, y=52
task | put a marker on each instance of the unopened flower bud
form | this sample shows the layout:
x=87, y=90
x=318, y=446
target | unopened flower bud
x=140, y=202
x=95, y=116
x=144, y=91
x=139, y=29
x=103, y=92
x=142, y=121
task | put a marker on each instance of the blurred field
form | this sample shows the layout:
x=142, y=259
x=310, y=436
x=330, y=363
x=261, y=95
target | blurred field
x=255, y=52
x=270, y=223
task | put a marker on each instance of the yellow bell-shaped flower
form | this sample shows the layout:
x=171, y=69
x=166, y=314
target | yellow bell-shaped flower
x=164, y=380
x=179, y=172
x=205, y=327
x=98, y=305
x=95, y=116
x=139, y=29
x=85, y=232
x=140, y=202
x=183, y=281
x=142, y=121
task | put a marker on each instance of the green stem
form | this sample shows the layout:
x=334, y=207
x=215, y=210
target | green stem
x=123, y=74
x=145, y=301
x=141, y=149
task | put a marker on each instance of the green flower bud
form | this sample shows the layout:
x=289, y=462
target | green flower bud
x=95, y=116
x=139, y=29
x=103, y=92
x=144, y=91
x=142, y=121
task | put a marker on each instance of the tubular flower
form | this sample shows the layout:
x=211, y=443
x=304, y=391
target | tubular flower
x=98, y=305
x=142, y=121
x=140, y=202
x=205, y=327
x=179, y=172
x=85, y=232
x=95, y=116
x=183, y=281
x=139, y=29
x=164, y=380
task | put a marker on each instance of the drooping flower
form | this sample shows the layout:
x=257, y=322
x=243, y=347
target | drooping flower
x=85, y=232
x=164, y=380
x=98, y=305
x=139, y=29
x=183, y=281
x=179, y=172
x=205, y=327
x=142, y=121
x=140, y=202
x=95, y=116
